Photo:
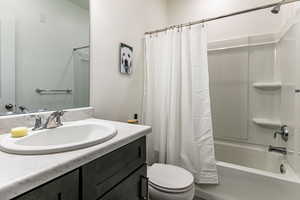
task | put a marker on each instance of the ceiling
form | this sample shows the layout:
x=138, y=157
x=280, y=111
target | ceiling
x=82, y=3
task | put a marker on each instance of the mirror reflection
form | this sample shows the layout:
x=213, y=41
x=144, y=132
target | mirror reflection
x=45, y=62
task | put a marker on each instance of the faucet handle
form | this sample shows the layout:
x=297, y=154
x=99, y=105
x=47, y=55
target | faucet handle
x=58, y=117
x=285, y=129
x=37, y=123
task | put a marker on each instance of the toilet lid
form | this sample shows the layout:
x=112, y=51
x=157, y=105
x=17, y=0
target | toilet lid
x=170, y=177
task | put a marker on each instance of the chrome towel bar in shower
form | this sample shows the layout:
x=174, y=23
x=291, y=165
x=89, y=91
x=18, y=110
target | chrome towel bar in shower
x=49, y=92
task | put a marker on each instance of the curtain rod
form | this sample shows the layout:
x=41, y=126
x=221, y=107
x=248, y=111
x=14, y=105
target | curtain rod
x=222, y=16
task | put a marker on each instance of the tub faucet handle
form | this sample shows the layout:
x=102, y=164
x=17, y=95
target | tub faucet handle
x=284, y=132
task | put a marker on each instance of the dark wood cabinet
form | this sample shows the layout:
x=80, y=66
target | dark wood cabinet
x=132, y=188
x=102, y=174
x=119, y=175
x=63, y=188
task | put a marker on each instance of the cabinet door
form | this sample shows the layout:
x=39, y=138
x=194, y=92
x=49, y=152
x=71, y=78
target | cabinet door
x=63, y=188
x=135, y=187
x=100, y=175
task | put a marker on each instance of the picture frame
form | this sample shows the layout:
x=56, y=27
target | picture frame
x=126, y=58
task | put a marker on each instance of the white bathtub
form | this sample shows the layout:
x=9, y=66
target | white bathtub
x=250, y=173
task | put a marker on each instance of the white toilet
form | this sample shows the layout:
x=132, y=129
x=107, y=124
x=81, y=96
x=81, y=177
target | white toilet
x=168, y=182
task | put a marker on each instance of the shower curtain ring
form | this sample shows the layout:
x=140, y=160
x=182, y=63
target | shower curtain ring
x=190, y=25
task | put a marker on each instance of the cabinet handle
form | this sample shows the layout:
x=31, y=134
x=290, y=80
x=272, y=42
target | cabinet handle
x=59, y=196
x=140, y=151
x=144, y=187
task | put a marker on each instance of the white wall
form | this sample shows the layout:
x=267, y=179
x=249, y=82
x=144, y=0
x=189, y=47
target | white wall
x=289, y=60
x=232, y=75
x=115, y=96
x=182, y=11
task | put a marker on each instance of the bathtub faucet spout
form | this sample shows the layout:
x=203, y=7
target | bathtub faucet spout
x=281, y=150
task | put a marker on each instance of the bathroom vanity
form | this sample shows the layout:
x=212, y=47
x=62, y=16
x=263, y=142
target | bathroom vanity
x=117, y=175
x=115, y=169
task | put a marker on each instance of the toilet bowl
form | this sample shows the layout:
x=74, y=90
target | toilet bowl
x=169, y=182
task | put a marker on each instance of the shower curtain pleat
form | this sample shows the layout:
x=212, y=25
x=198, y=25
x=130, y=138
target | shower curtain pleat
x=177, y=102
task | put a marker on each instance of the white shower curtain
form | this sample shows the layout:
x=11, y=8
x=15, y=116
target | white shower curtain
x=177, y=101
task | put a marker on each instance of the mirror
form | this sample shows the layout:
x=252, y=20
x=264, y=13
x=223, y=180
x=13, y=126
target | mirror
x=44, y=55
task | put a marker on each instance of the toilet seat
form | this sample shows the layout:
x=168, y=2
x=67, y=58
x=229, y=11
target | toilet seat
x=170, y=179
x=167, y=190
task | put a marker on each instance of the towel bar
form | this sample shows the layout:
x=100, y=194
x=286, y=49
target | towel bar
x=50, y=92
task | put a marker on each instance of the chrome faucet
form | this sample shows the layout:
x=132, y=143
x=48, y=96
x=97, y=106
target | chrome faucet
x=54, y=120
x=281, y=150
x=284, y=132
x=37, y=123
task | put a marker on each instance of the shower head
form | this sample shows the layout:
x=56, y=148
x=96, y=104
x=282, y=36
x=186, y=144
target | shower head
x=276, y=9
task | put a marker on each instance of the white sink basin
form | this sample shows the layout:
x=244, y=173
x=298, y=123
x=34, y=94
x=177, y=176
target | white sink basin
x=71, y=136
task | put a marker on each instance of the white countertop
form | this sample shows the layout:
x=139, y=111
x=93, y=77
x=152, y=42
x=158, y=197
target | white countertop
x=20, y=173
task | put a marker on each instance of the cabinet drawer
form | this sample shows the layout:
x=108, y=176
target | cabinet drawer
x=63, y=188
x=132, y=188
x=102, y=174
